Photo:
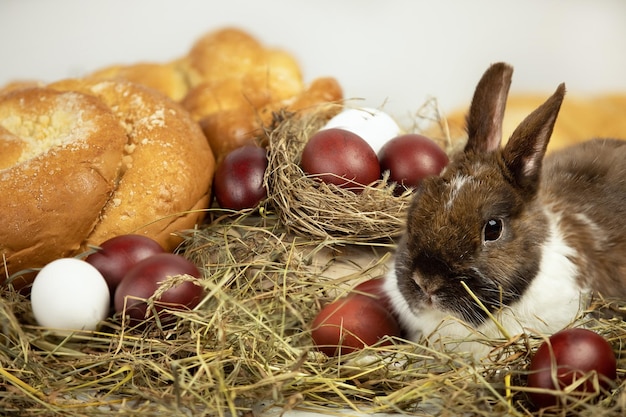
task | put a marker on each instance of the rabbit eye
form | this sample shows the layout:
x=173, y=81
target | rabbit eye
x=492, y=230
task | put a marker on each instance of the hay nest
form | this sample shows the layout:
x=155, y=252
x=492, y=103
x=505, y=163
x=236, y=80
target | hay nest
x=246, y=349
x=309, y=207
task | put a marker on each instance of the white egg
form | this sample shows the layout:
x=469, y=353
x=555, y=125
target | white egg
x=70, y=294
x=374, y=126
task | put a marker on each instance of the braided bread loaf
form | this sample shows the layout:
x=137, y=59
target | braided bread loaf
x=84, y=160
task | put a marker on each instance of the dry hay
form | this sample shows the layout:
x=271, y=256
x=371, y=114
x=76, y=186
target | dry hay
x=246, y=349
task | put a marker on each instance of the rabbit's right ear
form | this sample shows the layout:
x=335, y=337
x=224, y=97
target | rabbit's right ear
x=484, y=120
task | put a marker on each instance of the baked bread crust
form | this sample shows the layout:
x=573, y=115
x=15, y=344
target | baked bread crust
x=168, y=78
x=66, y=149
x=126, y=160
x=167, y=165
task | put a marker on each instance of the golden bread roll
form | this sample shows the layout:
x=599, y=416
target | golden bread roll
x=167, y=166
x=67, y=149
x=580, y=118
x=321, y=90
x=237, y=85
x=117, y=158
x=265, y=83
x=276, y=74
x=169, y=79
x=221, y=54
x=217, y=96
x=229, y=129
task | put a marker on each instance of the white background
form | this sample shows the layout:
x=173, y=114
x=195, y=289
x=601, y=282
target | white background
x=392, y=53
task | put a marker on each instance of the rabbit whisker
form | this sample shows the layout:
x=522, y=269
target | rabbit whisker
x=486, y=311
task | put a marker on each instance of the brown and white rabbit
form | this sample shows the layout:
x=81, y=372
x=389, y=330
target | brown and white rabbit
x=530, y=237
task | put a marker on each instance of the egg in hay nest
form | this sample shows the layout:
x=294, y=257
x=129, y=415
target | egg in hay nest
x=320, y=209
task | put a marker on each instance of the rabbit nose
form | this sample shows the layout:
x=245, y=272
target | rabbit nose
x=428, y=287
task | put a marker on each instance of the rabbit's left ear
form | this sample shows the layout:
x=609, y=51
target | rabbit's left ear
x=484, y=120
x=524, y=152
